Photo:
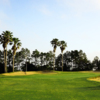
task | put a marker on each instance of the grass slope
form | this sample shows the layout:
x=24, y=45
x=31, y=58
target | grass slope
x=61, y=86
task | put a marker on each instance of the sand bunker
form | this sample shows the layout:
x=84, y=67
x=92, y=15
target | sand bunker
x=27, y=73
x=95, y=79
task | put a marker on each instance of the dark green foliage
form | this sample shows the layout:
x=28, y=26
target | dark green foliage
x=9, y=69
x=30, y=67
x=96, y=62
x=1, y=67
x=35, y=55
x=76, y=58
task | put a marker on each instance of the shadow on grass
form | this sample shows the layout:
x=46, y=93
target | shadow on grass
x=91, y=88
x=2, y=76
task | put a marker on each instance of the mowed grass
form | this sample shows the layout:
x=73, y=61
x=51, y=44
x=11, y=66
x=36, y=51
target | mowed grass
x=59, y=86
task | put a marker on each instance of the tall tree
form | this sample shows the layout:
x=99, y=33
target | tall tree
x=50, y=59
x=58, y=61
x=18, y=59
x=5, y=38
x=35, y=54
x=16, y=45
x=63, y=45
x=26, y=54
x=95, y=62
x=67, y=58
x=79, y=58
x=54, y=43
x=41, y=58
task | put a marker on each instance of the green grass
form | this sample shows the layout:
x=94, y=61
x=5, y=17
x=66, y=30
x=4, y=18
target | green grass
x=61, y=86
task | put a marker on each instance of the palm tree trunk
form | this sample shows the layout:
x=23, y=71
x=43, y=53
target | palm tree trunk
x=62, y=61
x=54, y=62
x=13, y=63
x=4, y=62
x=6, y=59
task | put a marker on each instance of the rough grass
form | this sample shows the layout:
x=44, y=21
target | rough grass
x=59, y=86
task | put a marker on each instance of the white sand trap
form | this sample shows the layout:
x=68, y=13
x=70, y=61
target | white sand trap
x=20, y=73
x=27, y=73
x=95, y=79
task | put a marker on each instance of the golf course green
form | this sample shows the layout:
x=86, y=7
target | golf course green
x=45, y=86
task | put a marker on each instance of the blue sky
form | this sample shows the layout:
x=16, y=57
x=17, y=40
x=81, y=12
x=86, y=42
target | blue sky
x=37, y=22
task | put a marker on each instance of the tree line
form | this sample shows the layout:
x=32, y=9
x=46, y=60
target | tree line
x=12, y=59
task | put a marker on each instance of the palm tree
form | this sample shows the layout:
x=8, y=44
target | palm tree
x=54, y=43
x=5, y=38
x=63, y=45
x=15, y=46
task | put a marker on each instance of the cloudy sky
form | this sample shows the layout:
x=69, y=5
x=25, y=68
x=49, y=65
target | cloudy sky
x=37, y=22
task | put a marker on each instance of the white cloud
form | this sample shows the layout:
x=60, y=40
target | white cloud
x=3, y=18
x=64, y=16
x=45, y=11
x=91, y=55
x=5, y=2
x=2, y=15
x=81, y=5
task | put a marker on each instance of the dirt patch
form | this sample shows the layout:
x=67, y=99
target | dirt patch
x=27, y=73
x=48, y=72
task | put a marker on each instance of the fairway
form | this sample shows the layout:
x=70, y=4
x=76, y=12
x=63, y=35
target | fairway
x=59, y=86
